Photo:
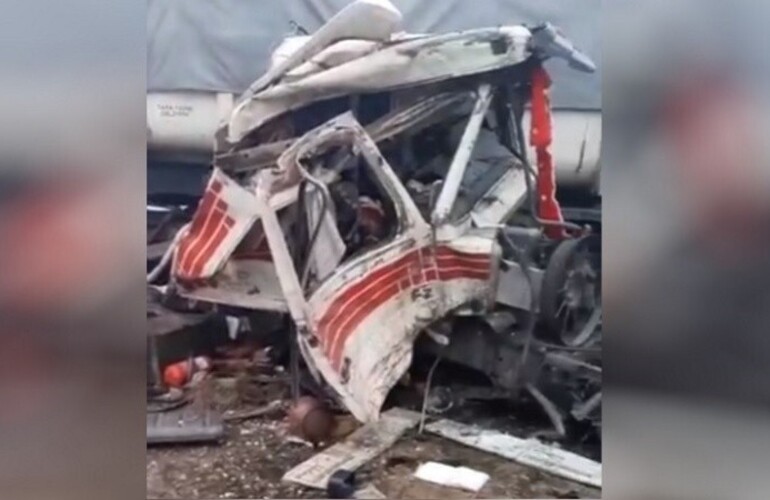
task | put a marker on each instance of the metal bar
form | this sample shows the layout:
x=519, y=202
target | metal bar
x=456, y=172
x=582, y=411
x=284, y=265
x=550, y=409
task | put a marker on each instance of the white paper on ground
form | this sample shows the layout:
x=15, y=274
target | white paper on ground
x=529, y=452
x=456, y=477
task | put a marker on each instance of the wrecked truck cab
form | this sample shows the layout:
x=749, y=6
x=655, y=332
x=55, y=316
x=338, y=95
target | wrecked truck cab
x=358, y=322
x=358, y=307
x=365, y=315
x=335, y=225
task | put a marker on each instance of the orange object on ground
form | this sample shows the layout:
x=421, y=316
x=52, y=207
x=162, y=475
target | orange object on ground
x=176, y=375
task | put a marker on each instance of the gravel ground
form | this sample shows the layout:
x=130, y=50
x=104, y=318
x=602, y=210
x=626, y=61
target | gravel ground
x=249, y=463
x=254, y=455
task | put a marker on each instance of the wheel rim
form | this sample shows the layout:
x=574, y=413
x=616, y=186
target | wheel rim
x=572, y=309
x=579, y=312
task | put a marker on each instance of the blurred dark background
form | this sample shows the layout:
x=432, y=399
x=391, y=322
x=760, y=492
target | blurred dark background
x=687, y=225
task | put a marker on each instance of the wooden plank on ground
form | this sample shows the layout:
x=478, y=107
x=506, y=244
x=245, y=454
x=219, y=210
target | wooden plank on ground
x=353, y=452
x=530, y=452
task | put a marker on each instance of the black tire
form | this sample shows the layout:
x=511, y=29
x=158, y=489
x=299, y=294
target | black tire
x=563, y=258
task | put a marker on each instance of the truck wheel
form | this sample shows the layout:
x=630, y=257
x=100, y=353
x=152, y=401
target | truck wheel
x=570, y=294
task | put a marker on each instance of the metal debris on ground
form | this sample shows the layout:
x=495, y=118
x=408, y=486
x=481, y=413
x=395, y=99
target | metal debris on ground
x=529, y=452
x=454, y=477
x=350, y=454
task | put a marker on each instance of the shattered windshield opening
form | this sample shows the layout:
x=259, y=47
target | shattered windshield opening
x=365, y=213
x=421, y=156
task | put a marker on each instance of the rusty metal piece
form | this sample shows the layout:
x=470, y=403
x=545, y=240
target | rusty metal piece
x=311, y=420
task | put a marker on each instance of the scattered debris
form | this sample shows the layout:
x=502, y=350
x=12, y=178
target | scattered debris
x=360, y=447
x=256, y=458
x=455, y=477
x=526, y=451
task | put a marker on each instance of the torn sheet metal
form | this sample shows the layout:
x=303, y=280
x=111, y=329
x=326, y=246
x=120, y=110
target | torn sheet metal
x=333, y=55
x=413, y=61
x=362, y=19
x=357, y=449
x=365, y=316
x=224, y=216
x=404, y=62
x=249, y=283
x=525, y=451
x=417, y=115
x=359, y=325
x=394, y=61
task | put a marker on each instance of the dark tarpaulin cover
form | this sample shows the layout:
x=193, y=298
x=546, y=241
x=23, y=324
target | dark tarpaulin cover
x=224, y=45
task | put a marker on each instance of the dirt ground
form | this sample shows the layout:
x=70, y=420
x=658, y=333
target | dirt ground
x=254, y=455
